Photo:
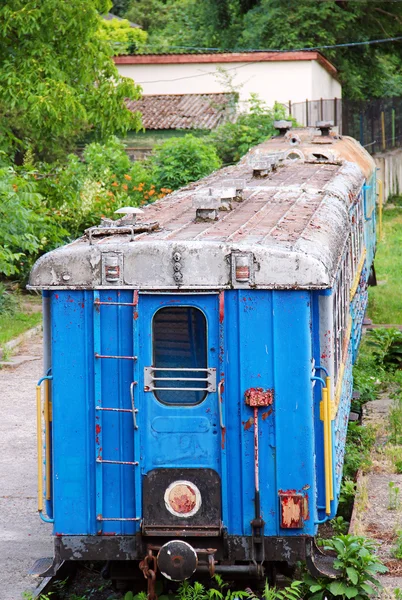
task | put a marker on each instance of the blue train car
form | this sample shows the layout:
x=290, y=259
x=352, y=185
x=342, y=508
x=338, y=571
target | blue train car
x=198, y=365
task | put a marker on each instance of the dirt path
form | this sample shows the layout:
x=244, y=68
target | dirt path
x=378, y=510
x=23, y=537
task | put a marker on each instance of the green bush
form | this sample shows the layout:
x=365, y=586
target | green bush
x=25, y=227
x=180, y=160
x=8, y=301
x=233, y=140
x=358, y=568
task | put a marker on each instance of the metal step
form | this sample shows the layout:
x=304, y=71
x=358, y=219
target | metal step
x=320, y=564
x=45, y=567
x=40, y=566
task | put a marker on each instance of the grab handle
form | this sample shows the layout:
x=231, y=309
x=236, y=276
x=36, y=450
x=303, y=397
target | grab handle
x=47, y=417
x=220, y=400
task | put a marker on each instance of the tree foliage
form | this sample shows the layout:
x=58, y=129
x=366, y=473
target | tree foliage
x=178, y=161
x=57, y=79
x=123, y=38
x=365, y=71
x=233, y=140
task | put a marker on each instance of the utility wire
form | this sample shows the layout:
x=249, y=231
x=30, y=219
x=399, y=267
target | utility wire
x=256, y=50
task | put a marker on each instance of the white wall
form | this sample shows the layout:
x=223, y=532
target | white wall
x=324, y=85
x=273, y=81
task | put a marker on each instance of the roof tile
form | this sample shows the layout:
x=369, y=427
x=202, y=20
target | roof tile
x=185, y=111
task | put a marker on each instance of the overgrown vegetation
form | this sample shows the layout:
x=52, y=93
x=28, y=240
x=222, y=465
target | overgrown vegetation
x=359, y=566
x=385, y=304
x=365, y=71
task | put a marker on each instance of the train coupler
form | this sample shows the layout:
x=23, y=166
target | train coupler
x=149, y=567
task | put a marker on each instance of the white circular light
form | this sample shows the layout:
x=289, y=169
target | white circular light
x=182, y=499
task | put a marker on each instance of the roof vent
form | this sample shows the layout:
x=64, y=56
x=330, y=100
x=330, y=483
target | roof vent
x=208, y=202
x=324, y=126
x=238, y=185
x=263, y=164
x=130, y=216
x=283, y=126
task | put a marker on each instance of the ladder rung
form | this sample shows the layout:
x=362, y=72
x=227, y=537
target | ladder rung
x=123, y=410
x=112, y=356
x=99, y=518
x=98, y=303
x=116, y=462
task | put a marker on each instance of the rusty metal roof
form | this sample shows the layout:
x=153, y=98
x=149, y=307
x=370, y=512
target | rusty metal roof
x=294, y=223
x=183, y=111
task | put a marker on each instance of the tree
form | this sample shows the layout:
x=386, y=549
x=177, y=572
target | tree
x=57, y=79
x=124, y=38
x=365, y=71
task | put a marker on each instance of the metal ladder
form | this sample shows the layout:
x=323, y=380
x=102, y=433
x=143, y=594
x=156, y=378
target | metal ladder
x=100, y=409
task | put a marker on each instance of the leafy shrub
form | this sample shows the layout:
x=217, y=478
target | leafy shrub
x=386, y=346
x=358, y=567
x=359, y=442
x=25, y=228
x=180, y=160
x=123, y=38
x=233, y=140
x=8, y=301
x=82, y=191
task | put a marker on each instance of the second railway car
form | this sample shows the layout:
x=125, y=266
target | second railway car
x=198, y=365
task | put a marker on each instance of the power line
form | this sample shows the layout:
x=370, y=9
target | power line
x=304, y=49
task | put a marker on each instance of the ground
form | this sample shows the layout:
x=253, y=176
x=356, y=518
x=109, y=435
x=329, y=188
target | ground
x=378, y=511
x=23, y=537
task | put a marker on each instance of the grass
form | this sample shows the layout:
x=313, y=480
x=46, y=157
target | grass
x=26, y=317
x=385, y=304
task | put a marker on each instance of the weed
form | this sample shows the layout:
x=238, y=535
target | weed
x=358, y=567
x=359, y=442
x=292, y=592
x=198, y=591
x=395, y=420
x=346, y=497
x=393, y=496
x=385, y=300
x=139, y=596
x=386, y=345
x=397, y=549
x=8, y=301
x=5, y=353
x=339, y=525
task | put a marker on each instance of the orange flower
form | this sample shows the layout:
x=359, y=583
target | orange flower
x=115, y=184
x=128, y=177
x=110, y=194
x=151, y=192
x=15, y=187
x=124, y=186
x=141, y=186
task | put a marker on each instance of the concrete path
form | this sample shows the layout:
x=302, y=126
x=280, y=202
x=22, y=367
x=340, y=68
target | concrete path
x=23, y=536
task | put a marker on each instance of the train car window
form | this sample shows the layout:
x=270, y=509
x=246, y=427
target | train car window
x=179, y=335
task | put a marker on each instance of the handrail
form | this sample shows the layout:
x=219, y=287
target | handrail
x=380, y=206
x=326, y=417
x=47, y=417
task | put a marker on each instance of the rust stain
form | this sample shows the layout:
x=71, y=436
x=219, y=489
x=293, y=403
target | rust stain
x=259, y=397
x=247, y=424
x=135, y=315
x=265, y=415
x=221, y=307
x=223, y=437
x=291, y=512
x=182, y=498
